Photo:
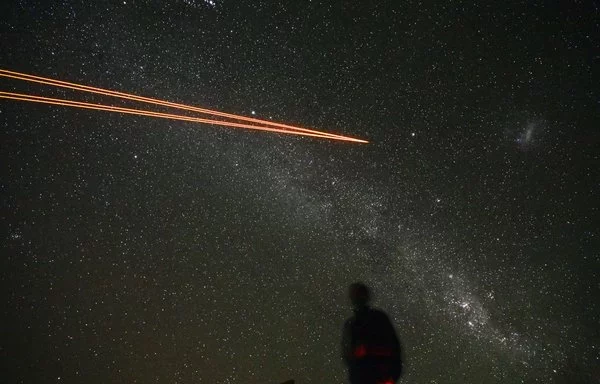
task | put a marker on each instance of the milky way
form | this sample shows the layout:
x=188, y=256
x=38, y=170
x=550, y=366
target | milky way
x=148, y=250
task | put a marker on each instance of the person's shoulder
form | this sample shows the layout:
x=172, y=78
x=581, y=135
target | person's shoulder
x=349, y=321
x=378, y=313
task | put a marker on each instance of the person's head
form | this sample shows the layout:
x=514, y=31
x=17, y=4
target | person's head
x=359, y=295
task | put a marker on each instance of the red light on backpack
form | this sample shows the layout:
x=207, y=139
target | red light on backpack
x=360, y=351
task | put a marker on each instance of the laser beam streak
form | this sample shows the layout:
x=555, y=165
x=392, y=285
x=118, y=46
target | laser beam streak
x=131, y=111
x=122, y=95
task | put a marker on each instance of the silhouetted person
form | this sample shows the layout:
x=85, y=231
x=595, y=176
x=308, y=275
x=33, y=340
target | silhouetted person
x=370, y=346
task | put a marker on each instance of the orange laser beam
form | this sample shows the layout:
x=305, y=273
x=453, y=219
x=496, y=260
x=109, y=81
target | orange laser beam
x=110, y=108
x=80, y=87
x=107, y=92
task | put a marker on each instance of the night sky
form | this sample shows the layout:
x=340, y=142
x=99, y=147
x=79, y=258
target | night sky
x=155, y=251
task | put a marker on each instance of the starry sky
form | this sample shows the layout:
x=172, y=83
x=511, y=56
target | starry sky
x=155, y=251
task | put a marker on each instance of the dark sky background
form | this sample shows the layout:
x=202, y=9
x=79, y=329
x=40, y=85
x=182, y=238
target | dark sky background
x=156, y=251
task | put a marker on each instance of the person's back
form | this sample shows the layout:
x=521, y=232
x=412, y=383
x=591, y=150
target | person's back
x=370, y=346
